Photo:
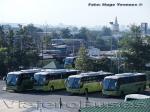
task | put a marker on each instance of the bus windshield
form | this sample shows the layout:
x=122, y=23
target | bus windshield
x=68, y=61
x=110, y=84
x=40, y=79
x=73, y=83
x=12, y=79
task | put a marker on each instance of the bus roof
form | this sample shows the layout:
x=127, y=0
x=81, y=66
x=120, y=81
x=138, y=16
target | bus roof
x=70, y=57
x=25, y=71
x=125, y=74
x=51, y=70
x=89, y=74
x=30, y=70
x=42, y=73
x=61, y=70
x=15, y=73
x=47, y=72
x=72, y=70
x=55, y=71
x=117, y=76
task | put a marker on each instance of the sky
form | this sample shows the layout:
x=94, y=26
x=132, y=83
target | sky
x=72, y=12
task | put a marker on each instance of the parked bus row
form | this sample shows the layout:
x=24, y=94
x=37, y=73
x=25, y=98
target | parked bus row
x=38, y=79
x=75, y=82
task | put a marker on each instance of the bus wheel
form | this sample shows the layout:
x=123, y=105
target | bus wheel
x=52, y=88
x=122, y=94
x=139, y=90
x=86, y=91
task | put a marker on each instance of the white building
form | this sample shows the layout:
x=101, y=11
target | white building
x=144, y=28
x=115, y=28
x=93, y=52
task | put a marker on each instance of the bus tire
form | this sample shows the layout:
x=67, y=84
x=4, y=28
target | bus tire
x=139, y=90
x=52, y=88
x=86, y=91
x=122, y=94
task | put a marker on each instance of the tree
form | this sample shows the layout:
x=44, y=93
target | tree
x=138, y=50
x=10, y=49
x=25, y=50
x=17, y=48
x=106, y=31
x=82, y=34
x=54, y=35
x=3, y=65
x=3, y=52
x=65, y=33
x=82, y=62
x=2, y=36
x=101, y=64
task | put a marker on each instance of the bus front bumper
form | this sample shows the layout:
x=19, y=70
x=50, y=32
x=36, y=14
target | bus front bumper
x=11, y=88
x=75, y=91
x=111, y=93
x=40, y=88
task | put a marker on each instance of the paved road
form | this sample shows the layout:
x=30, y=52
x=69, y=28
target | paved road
x=52, y=100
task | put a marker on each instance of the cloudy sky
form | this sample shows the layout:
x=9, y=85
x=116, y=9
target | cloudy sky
x=72, y=12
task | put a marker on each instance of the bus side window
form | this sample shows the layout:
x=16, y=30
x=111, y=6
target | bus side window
x=86, y=79
x=58, y=76
x=92, y=79
x=118, y=83
x=82, y=80
x=19, y=80
x=89, y=79
x=143, y=78
x=131, y=79
x=122, y=81
x=66, y=75
x=49, y=77
x=138, y=78
x=100, y=77
x=31, y=76
x=23, y=76
x=54, y=76
x=96, y=78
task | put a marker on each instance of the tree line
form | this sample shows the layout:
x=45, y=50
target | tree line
x=20, y=47
x=133, y=47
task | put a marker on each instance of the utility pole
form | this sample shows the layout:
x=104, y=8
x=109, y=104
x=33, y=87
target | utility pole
x=111, y=52
x=42, y=52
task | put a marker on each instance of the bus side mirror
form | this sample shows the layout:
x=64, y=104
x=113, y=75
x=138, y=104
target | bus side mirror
x=4, y=78
x=117, y=85
x=101, y=82
x=32, y=78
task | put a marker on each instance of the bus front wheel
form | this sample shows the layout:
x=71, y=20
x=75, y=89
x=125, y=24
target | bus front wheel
x=86, y=91
x=52, y=88
x=122, y=94
x=139, y=90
